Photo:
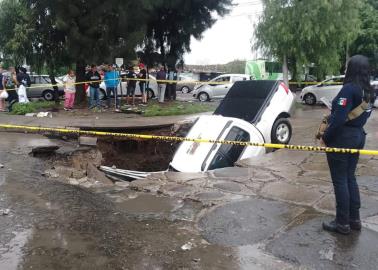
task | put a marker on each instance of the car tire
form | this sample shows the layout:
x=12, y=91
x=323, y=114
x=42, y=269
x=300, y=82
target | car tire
x=185, y=89
x=281, y=131
x=203, y=97
x=102, y=94
x=48, y=95
x=150, y=93
x=309, y=99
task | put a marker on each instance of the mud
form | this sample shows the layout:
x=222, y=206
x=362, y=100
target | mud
x=147, y=156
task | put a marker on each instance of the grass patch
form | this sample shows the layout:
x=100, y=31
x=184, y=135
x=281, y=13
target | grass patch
x=178, y=108
x=31, y=107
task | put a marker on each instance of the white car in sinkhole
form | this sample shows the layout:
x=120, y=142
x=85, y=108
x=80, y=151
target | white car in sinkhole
x=252, y=111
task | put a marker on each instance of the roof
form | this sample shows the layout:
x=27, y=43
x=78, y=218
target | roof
x=246, y=99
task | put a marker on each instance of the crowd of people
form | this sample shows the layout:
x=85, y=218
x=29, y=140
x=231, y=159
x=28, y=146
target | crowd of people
x=17, y=81
x=11, y=79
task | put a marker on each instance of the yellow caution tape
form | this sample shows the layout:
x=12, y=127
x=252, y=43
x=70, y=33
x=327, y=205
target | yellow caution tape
x=184, y=139
x=158, y=81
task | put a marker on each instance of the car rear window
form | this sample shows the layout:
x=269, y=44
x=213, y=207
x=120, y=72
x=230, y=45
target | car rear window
x=228, y=154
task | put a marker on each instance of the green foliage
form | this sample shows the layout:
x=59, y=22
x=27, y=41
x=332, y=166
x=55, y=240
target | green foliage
x=31, y=107
x=16, y=32
x=307, y=32
x=178, y=108
x=367, y=39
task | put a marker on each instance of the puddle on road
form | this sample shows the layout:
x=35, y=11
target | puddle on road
x=11, y=255
x=149, y=204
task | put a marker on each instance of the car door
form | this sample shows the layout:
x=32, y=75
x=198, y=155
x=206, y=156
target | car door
x=333, y=88
x=34, y=91
x=221, y=87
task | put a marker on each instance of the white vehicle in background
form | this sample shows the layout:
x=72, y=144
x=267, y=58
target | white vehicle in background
x=253, y=111
x=374, y=84
x=327, y=89
x=219, y=88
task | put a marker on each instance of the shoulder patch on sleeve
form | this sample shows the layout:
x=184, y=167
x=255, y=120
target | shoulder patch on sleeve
x=342, y=102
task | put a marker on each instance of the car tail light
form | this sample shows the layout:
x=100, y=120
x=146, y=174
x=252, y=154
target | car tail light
x=285, y=88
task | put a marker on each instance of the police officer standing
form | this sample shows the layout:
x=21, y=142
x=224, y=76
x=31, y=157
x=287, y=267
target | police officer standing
x=350, y=111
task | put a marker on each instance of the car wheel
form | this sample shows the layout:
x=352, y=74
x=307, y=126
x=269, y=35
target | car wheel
x=48, y=95
x=150, y=93
x=102, y=94
x=203, y=97
x=185, y=89
x=309, y=99
x=281, y=131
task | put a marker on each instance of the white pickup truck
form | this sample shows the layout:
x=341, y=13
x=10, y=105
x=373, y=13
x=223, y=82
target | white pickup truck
x=252, y=111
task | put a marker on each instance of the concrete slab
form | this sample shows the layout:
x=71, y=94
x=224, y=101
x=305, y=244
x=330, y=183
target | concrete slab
x=179, y=177
x=235, y=172
x=209, y=196
x=228, y=186
x=369, y=183
x=88, y=141
x=307, y=245
x=292, y=193
x=369, y=205
x=246, y=222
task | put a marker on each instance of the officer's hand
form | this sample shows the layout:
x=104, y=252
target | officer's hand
x=322, y=143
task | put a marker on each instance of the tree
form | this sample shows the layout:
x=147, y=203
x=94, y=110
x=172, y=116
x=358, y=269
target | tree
x=15, y=32
x=300, y=32
x=366, y=42
x=172, y=23
x=86, y=31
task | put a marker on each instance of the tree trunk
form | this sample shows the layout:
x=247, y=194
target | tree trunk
x=285, y=70
x=55, y=87
x=347, y=56
x=81, y=95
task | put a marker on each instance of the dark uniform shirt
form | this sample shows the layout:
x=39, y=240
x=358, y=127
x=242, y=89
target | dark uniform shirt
x=94, y=79
x=131, y=75
x=349, y=97
x=143, y=76
x=1, y=81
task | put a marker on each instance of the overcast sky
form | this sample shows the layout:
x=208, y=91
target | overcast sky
x=229, y=38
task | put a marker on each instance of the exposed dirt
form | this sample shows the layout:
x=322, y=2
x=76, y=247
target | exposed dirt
x=137, y=155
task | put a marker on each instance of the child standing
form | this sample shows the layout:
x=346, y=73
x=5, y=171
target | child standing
x=69, y=90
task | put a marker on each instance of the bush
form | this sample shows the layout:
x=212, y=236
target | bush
x=31, y=107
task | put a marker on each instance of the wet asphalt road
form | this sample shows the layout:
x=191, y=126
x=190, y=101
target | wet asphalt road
x=57, y=226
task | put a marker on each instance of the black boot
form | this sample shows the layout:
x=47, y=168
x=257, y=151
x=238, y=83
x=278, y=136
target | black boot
x=334, y=227
x=355, y=225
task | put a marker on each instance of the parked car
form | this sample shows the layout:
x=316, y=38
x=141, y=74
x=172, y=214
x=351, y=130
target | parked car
x=185, y=84
x=41, y=87
x=122, y=89
x=252, y=111
x=375, y=85
x=220, y=87
x=326, y=89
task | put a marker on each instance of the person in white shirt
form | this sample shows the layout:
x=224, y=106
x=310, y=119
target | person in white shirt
x=69, y=90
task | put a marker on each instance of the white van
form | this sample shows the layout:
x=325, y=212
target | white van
x=253, y=111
